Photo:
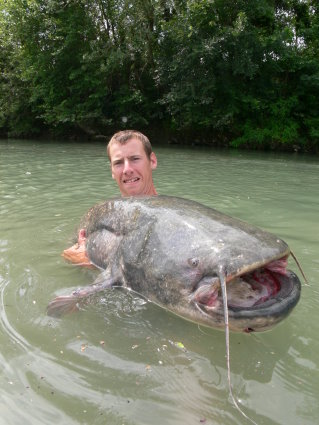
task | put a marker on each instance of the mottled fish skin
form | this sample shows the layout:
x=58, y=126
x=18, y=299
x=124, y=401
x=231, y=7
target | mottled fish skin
x=165, y=248
x=177, y=253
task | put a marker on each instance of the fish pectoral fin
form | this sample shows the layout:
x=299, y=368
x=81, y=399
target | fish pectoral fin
x=62, y=305
x=65, y=304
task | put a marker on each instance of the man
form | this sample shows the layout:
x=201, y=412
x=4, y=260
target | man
x=132, y=163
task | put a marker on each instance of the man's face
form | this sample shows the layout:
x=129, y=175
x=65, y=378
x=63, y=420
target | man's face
x=132, y=169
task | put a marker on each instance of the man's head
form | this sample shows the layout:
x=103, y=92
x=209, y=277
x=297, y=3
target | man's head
x=122, y=137
x=132, y=162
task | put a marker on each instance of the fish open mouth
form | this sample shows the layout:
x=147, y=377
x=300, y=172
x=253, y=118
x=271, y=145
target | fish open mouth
x=256, y=300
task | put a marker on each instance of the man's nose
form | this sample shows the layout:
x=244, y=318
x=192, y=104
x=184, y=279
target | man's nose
x=127, y=167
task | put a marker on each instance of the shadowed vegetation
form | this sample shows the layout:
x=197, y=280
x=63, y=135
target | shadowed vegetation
x=223, y=72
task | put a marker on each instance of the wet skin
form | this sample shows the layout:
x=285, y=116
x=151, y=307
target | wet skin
x=77, y=254
x=178, y=254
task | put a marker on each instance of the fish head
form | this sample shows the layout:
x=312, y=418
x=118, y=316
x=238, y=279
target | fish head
x=260, y=290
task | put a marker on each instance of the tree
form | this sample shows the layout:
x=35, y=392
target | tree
x=241, y=73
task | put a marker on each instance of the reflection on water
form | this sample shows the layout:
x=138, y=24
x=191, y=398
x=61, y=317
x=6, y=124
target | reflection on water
x=124, y=361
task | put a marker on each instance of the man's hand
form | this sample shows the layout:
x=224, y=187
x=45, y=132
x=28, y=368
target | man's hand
x=76, y=254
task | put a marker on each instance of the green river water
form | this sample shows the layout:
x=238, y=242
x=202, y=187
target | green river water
x=124, y=360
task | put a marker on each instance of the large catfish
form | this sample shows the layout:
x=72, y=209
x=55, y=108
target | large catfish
x=182, y=255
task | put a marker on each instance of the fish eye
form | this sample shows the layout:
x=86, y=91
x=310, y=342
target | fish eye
x=193, y=262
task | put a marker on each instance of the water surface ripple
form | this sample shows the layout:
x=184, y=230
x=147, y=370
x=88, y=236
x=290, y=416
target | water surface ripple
x=122, y=360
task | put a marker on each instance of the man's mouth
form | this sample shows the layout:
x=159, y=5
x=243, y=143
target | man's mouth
x=132, y=180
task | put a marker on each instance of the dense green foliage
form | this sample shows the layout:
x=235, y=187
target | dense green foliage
x=241, y=73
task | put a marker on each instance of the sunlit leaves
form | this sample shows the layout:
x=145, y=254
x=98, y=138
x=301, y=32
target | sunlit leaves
x=243, y=72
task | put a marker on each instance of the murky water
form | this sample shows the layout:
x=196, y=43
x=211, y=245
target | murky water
x=124, y=361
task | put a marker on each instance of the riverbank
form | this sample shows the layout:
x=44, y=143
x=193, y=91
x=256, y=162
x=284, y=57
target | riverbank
x=164, y=137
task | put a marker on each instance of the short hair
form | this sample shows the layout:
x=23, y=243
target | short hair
x=125, y=136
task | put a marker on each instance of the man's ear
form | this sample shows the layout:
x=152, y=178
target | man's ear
x=153, y=160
